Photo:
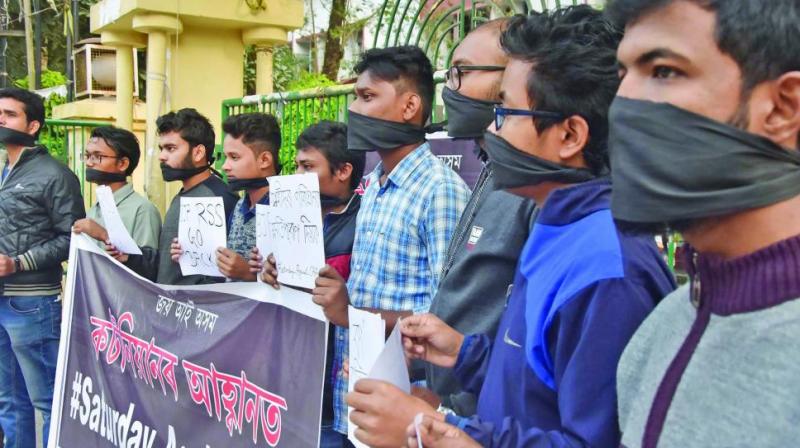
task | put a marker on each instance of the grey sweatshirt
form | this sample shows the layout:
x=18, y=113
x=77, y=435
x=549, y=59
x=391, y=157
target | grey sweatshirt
x=717, y=364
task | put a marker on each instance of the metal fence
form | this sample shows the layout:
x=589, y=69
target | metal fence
x=296, y=111
x=66, y=139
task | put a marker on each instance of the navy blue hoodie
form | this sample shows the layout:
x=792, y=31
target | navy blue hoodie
x=581, y=289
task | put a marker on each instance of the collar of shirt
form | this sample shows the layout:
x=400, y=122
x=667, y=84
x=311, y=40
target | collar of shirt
x=403, y=171
x=123, y=193
x=248, y=210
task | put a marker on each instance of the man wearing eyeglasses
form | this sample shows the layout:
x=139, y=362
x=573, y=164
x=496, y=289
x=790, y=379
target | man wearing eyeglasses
x=112, y=155
x=582, y=286
x=482, y=256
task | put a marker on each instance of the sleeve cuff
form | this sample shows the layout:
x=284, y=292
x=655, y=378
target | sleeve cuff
x=26, y=262
x=455, y=420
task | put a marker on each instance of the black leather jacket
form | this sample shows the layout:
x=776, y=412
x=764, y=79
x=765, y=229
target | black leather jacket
x=40, y=199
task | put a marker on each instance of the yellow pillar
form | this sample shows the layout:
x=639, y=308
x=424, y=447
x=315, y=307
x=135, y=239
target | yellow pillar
x=264, y=38
x=124, y=43
x=263, y=70
x=158, y=28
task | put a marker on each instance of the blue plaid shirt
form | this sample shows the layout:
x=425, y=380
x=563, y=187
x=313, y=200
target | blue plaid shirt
x=402, y=233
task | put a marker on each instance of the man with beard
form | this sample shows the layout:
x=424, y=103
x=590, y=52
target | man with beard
x=704, y=137
x=112, y=155
x=186, y=140
x=251, y=146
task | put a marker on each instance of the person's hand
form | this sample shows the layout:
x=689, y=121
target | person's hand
x=6, y=265
x=92, y=228
x=269, y=273
x=175, y=250
x=427, y=395
x=426, y=337
x=115, y=253
x=233, y=265
x=331, y=294
x=255, y=262
x=436, y=433
x=382, y=412
x=346, y=368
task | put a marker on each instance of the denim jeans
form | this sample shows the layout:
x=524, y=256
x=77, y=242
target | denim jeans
x=29, y=333
x=330, y=438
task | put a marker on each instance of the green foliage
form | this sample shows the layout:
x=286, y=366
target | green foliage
x=53, y=139
x=299, y=114
x=286, y=67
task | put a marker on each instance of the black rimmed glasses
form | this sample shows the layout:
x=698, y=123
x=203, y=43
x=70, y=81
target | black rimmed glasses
x=500, y=114
x=454, y=73
x=95, y=158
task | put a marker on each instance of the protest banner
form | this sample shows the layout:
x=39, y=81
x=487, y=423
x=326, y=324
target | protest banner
x=148, y=365
x=201, y=230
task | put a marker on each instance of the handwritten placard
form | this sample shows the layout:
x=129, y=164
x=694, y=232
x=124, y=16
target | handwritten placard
x=295, y=238
x=201, y=230
x=117, y=232
x=366, y=343
x=293, y=228
x=294, y=191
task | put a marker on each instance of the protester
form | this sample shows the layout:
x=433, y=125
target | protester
x=705, y=135
x=479, y=267
x=410, y=207
x=582, y=286
x=186, y=140
x=322, y=149
x=40, y=198
x=112, y=154
x=251, y=146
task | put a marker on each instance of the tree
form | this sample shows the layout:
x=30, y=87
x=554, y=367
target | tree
x=334, y=39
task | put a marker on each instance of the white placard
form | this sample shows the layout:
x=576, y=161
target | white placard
x=201, y=230
x=294, y=191
x=367, y=331
x=263, y=241
x=296, y=240
x=117, y=233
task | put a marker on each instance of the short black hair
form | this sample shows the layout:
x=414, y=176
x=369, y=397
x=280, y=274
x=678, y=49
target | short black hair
x=408, y=63
x=192, y=127
x=760, y=35
x=33, y=104
x=575, y=69
x=123, y=142
x=330, y=138
x=259, y=131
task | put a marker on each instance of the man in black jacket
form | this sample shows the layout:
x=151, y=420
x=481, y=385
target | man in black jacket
x=40, y=198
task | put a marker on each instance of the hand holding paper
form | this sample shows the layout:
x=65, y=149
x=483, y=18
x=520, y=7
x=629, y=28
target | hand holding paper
x=427, y=337
x=117, y=233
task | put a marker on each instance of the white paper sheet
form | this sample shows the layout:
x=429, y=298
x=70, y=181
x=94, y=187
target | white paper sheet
x=117, y=232
x=294, y=191
x=367, y=331
x=391, y=363
x=263, y=242
x=201, y=230
x=296, y=240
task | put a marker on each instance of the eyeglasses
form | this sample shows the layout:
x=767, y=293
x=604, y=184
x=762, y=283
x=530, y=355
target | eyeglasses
x=94, y=157
x=500, y=114
x=454, y=73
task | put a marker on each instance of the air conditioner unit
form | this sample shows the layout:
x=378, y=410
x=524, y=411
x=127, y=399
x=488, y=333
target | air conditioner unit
x=95, y=68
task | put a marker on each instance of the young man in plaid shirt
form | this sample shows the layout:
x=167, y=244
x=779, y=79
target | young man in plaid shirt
x=410, y=207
